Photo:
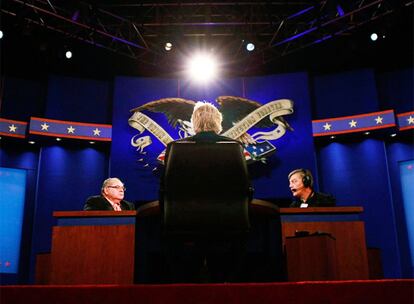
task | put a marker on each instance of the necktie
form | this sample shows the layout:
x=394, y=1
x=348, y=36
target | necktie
x=117, y=207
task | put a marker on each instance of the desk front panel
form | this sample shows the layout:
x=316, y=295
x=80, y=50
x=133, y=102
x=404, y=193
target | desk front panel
x=351, y=248
x=93, y=254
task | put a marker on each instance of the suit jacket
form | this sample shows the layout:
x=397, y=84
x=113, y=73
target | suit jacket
x=99, y=202
x=203, y=137
x=208, y=136
x=317, y=199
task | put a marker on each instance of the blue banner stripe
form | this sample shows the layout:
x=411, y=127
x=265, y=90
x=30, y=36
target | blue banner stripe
x=13, y=128
x=70, y=129
x=406, y=120
x=356, y=123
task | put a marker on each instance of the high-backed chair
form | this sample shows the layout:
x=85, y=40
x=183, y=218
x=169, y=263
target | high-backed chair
x=205, y=190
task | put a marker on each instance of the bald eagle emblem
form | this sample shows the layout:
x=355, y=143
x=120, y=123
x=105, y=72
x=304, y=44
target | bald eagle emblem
x=239, y=116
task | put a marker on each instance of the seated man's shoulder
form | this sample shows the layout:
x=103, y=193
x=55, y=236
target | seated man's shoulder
x=94, y=198
x=96, y=202
x=131, y=206
x=325, y=199
x=295, y=204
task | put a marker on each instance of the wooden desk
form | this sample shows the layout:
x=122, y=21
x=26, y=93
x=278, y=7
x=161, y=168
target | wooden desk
x=93, y=247
x=344, y=224
x=311, y=258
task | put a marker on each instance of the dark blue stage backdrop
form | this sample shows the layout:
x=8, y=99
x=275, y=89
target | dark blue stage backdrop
x=365, y=172
x=140, y=171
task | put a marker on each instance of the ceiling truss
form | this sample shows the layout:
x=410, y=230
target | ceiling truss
x=139, y=29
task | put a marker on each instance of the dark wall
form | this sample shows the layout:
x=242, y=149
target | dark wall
x=361, y=171
x=395, y=90
x=22, y=98
x=66, y=173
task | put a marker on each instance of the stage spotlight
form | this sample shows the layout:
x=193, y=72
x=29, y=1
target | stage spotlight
x=202, y=68
x=31, y=142
x=333, y=137
x=168, y=46
x=68, y=54
x=92, y=142
x=374, y=36
x=250, y=47
x=366, y=133
x=58, y=139
x=1, y=34
x=393, y=134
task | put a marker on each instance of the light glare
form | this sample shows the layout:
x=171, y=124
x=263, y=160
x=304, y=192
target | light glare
x=68, y=54
x=202, y=68
x=168, y=46
x=374, y=36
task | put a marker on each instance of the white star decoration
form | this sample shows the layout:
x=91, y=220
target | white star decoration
x=97, y=132
x=327, y=126
x=410, y=120
x=352, y=124
x=45, y=127
x=71, y=129
x=12, y=128
x=378, y=120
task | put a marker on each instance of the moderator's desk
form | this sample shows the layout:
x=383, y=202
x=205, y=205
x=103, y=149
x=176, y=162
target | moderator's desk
x=93, y=247
x=344, y=224
x=98, y=247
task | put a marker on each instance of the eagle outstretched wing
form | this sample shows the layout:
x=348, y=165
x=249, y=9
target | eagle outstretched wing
x=174, y=108
x=235, y=108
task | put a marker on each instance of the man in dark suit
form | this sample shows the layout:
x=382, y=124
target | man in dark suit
x=111, y=198
x=301, y=185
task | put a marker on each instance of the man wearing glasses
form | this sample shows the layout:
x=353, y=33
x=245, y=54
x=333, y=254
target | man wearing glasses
x=111, y=198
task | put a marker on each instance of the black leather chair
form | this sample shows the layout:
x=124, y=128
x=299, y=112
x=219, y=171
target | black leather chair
x=205, y=194
x=205, y=191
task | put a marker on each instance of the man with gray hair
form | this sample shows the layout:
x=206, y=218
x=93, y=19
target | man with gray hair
x=111, y=198
x=301, y=186
x=206, y=120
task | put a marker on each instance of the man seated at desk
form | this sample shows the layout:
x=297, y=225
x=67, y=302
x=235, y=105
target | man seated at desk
x=301, y=185
x=111, y=198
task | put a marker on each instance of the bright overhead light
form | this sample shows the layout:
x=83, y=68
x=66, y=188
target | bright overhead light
x=250, y=47
x=168, y=46
x=31, y=142
x=366, y=133
x=374, y=36
x=58, y=139
x=68, y=54
x=393, y=134
x=1, y=34
x=202, y=68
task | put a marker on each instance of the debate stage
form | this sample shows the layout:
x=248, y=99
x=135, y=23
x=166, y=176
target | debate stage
x=350, y=287
x=338, y=292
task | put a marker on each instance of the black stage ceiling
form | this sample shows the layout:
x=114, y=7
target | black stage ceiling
x=110, y=38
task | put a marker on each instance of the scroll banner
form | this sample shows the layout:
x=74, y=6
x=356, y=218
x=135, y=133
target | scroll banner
x=142, y=122
x=272, y=109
